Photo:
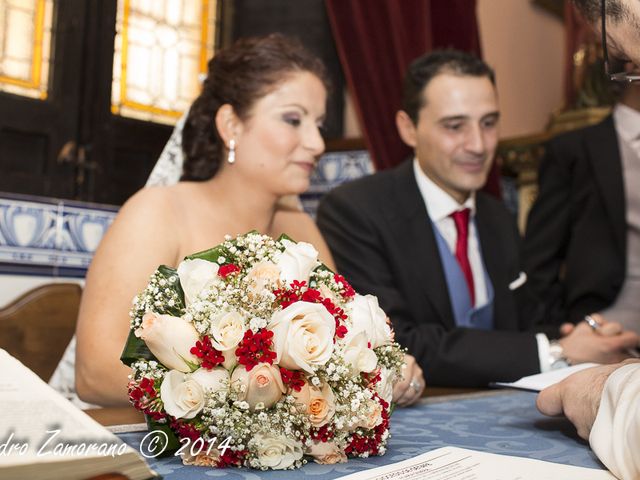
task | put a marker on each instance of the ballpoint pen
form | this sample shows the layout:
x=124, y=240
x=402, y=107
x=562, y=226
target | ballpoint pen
x=595, y=325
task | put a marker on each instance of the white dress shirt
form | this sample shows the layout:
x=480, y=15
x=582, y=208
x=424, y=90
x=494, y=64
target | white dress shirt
x=440, y=205
x=615, y=436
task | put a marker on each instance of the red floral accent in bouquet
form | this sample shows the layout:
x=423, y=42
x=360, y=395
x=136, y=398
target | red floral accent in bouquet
x=231, y=458
x=360, y=444
x=347, y=289
x=372, y=378
x=186, y=430
x=144, y=397
x=204, y=350
x=338, y=314
x=229, y=269
x=292, y=378
x=255, y=348
x=286, y=297
x=323, y=433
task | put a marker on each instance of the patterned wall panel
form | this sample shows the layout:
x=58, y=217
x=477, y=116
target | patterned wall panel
x=333, y=169
x=43, y=236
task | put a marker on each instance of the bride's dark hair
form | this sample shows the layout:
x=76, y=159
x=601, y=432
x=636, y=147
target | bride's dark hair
x=238, y=76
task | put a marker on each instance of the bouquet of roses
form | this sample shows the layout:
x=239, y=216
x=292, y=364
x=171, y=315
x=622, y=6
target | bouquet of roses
x=255, y=354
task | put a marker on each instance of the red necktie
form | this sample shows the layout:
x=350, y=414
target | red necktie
x=461, y=219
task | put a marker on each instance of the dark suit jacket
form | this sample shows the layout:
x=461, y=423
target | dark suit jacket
x=380, y=234
x=575, y=245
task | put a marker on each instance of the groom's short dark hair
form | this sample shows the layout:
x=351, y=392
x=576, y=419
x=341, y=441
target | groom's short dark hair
x=424, y=69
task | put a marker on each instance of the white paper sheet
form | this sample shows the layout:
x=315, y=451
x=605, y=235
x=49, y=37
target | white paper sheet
x=541, y=381
x=451, y=463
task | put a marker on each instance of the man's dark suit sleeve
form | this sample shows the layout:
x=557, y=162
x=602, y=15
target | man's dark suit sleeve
x=548, y=231
x=458, y=357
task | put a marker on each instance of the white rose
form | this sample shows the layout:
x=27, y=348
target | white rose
x=276, y=451
x=170, y=339
x=183, y=397
x=297, y=261
x=367, y=316
x=227, y=330
x=358, y=355
x=303, y=336
x=212, y=380
x=196, y=275
x=384, y=387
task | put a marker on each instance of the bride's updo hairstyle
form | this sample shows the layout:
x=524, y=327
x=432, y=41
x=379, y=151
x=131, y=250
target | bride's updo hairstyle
x=238, y=75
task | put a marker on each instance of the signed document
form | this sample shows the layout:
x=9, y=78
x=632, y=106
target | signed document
x=42, y=435
x=451, y=463
x=540, y=381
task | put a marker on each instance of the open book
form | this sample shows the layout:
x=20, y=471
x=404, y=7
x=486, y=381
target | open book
x=43, y=436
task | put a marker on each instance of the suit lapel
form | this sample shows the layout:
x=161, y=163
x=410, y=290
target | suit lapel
x=489, y=236
x=604, y=155
x=417, y=239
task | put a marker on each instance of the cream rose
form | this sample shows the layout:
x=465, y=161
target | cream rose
x=326, y=453
x=318, y=403
x=196, y=275
x=183, y=397
x=261, y=387
x=204, y=458
x=170, y=339
x=297, y=261
x=227, y=330
x=367, y=316
x=373, y=415
x=263, y=276
x=326, y=292
x=358, y=355
x=303, y=336
x=276, y=451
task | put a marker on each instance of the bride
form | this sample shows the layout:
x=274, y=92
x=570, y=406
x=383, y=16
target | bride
x=251, y=138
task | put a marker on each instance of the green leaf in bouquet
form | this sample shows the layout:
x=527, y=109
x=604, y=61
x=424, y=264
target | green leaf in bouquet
x=284, y=236
x=163, y=441
x=135, y=349
x=173, y=280
x=212, y=254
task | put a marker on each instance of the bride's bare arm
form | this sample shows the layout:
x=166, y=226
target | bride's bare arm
x=141, y=237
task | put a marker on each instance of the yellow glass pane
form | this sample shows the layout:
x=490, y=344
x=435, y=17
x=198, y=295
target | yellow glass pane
x=161, y=47
x=25, y=46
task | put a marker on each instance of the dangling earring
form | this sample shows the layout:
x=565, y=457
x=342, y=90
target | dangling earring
x=232, y=151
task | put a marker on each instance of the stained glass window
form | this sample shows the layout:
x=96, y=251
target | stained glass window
x=25, y=46
x=161, y=49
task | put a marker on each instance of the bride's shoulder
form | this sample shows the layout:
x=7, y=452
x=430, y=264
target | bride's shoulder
x=154, y=205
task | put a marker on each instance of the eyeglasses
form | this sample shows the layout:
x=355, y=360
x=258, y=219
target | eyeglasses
x=620, y=76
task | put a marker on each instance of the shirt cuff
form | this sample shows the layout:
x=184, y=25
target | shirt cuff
x=543, y=352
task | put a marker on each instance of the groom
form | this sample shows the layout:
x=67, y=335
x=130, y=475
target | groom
x=442, y=257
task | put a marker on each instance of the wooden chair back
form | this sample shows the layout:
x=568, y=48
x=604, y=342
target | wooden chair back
x=37, y=327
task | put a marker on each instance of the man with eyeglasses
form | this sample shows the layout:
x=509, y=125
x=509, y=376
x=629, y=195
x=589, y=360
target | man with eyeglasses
x=619, y=23
x=604, y=402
